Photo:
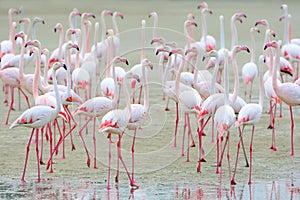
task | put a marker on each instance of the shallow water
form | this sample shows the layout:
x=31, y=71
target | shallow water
x=160, y=172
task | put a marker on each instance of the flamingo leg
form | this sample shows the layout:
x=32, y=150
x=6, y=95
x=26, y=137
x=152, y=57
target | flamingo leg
x=183, y=136
x=83, y=141
x=189, y=136
x=74, y=126
x=176, y=124
x=27, y=152
x=232, y=182
x=132, y=154
x=251, y=142
x=273, y=146
x=109, y=161
x=11, y=104
x=292, y=131
x=26, y=96
x=37, y=153
x=228, y=152
x=42, y=146
x=167, y=104
x=200, y=134
x=95, y=142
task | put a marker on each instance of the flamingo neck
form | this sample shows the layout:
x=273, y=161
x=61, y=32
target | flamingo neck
x=146, y=92
x=234, y=36
x=261, y=86
x=96, y=38
x=274, y=72
x=143, y=39
x=83, y=38
x=67, y=56
x=21, y=62
x=177, y=81
x=222, y=35
x=187, y=36
x=285, y=33
x=236, y=77
x=196, y=72
x=115, y=26
x=204, y=29
x=214, y=76
x=103, y=25
x=36, y=73
x=61, y=40
x=58, y=102
x=88, y=38
x=252, y=47
x=226, y=79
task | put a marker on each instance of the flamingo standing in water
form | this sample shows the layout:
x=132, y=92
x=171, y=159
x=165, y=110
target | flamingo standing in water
x=114, y=123
x=224, y=118
x=37, y=117
x=250, y=114
x=138, y=111
x=96, y=107
x=249, y=70
x=288, y=92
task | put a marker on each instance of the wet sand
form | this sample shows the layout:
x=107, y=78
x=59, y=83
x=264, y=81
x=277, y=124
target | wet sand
x=161, y=172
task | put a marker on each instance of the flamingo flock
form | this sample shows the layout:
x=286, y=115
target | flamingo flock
x=56, y=109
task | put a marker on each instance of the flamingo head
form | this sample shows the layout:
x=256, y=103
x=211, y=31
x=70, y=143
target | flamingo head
x=145, y=62
x=106, y=12
x=21, y=34
x=88, y=15
x=118, y=14
x=13, y=11
x=189, y=23
x=152, y=14
x=159, y=40
x=202, y=5
x=34, y=43
x=75, y=12
x=119, y=59
x=273, y=44
x=191, y=16
x=58, y=27
x=23, y=20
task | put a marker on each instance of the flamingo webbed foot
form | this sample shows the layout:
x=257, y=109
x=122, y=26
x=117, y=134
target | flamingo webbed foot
x=232, y=182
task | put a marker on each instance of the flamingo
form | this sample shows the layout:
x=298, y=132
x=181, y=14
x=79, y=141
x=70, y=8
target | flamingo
x=250, y=114
x=224, y=117
x=211, y=104
x=96, y=107
x=208, y=41
x=138, y=111
x=190, y=100
x=37, y=117
x=114, y=123
x=288, y=92
x=234, y=36
x=249, y=69
x=7, y=46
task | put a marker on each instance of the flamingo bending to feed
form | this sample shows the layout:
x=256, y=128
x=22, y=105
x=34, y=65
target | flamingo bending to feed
x=37, y=117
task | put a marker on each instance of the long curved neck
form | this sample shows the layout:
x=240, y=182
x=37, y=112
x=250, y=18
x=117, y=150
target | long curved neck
x=196, y=72
x=21, y=62
x=261, y=86
x=187, y=36
x=103, y=25
x=96, y=38
x=61, y=40
x=88, y=38
x=252, y=46
x=214, y=76
x=234, y=36
x=145, y=83
x=285, y=33
x=204, y=28
x=236, y=77
x=274, y=72
x=127, y=97
x=143, y=39
x=222, y=35
x=115, y=25
x=177, y=81
x=58, y=102
x=36, y=74
x=83, y=38
x=45, y=83
x=226, y=79
x=66, y=55
x=10, y=23
x=116, y=97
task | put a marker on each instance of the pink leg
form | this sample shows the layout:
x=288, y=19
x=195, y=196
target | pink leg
x=183, y=136
x=83, y=141
x=228, y=152
x=212, y=131
x=273, y=146
x=51, y=146
x=200, y=134
x=292, y=131
x=11, y=104
x=132, y=155
x=71, y=129
x=189, y=136
x=251, y=141
x=109, y=161
x=140, y=95
x=26, y=157
x=95, y=142
x=232, y=182
x=42, y=146
x=167, y=104
x=176, y=124
x=26, y=97
x=37, y=153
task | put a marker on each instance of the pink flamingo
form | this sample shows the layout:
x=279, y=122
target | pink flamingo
x=288, y=92
x=249, y=70
x=7, y=46
x=115, y=122
x=209, y=42
x=234, y=36
x=224, y=118
x=96, y=107
x=250, y=114
x=190, y=100
x=138, y=111
x=37, y=117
